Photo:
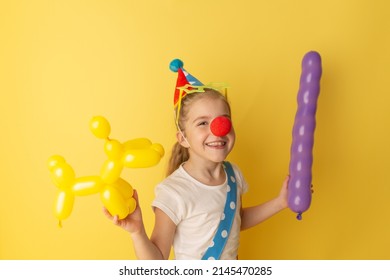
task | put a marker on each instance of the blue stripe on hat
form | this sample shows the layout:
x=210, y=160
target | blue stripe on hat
x=191, y=79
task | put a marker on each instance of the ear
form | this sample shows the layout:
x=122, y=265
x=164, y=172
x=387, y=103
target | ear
x=181, y=139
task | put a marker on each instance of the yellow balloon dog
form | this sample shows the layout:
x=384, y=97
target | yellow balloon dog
x=116, y=194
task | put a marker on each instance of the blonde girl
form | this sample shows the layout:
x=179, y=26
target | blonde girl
x=190, y=203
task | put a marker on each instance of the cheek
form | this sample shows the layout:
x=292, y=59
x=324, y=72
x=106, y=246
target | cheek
x=198, y=135
x=232, y=132
x=232, y=135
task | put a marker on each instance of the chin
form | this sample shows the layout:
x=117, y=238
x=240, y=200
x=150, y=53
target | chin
x=218, y=159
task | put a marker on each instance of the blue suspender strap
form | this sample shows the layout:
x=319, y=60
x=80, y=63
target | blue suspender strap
x=214, y=252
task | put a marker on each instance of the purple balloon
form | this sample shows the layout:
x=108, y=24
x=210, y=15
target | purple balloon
x=301, y=159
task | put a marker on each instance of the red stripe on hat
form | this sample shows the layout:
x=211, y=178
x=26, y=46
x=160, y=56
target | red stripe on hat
x=181, y=81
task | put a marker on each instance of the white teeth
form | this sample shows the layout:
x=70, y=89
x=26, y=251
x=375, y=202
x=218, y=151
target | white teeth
x=216, y=144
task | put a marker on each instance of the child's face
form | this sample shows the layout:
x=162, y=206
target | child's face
x=202, y=143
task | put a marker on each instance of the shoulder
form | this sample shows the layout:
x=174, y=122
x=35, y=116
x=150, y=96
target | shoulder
x=176, y=188
x=234, y=166
x=171, y=195
x=242, y=184
x=173, y=182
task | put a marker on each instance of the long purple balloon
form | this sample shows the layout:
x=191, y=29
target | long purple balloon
x=301, y=160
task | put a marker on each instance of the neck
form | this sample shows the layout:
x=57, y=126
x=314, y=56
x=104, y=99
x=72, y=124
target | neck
x=208, y=173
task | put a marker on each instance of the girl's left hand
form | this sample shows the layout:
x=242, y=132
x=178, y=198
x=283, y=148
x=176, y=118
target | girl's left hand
x=283, y=195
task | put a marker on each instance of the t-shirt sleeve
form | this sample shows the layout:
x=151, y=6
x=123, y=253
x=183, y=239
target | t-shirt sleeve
x=241, y=183
x=167, y=200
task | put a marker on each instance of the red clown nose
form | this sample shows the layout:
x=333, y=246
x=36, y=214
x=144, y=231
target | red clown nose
x=220, y=126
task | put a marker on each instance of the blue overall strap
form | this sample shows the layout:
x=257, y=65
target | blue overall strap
x=214, y=252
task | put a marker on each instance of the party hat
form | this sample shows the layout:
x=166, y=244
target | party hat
x=185, y=81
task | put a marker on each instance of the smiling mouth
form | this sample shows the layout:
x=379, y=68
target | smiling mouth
x=216, y=144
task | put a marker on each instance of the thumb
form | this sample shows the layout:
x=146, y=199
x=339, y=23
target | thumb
x=135, y=195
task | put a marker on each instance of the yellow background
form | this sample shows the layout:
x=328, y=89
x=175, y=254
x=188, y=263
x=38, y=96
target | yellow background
x=62, y=62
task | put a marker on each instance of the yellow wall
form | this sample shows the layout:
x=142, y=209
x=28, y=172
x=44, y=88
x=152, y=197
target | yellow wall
x=62, y=62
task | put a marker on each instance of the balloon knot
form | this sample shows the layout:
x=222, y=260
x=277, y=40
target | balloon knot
x=175, y=65
x=299, y=216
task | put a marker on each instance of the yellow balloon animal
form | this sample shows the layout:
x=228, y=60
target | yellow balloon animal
x=115, y=193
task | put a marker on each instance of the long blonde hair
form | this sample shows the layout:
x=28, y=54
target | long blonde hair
x=180, y=154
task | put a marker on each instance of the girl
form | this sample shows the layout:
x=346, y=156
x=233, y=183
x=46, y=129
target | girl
x=194, y=202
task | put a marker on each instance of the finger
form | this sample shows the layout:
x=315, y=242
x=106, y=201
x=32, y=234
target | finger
x=285, y=182
x=106, y=213
x=135, y=195
x=137, y=207
x=115, y=219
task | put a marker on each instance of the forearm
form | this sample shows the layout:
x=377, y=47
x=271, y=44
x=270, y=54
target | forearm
x=144, y=248
x=252, y=216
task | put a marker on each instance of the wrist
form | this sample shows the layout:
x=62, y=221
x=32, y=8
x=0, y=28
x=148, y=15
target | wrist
x=282, y=202
x=139, y=234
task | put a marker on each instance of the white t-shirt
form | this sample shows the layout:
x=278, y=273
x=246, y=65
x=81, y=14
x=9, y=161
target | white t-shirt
x=196, y=209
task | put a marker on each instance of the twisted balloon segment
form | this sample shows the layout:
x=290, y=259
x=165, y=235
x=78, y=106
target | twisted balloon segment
x=301, y=160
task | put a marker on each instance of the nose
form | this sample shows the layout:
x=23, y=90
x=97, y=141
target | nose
x=220, y=126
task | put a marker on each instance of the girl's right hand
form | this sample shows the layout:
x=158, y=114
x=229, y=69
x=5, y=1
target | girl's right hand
x=133, y=223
